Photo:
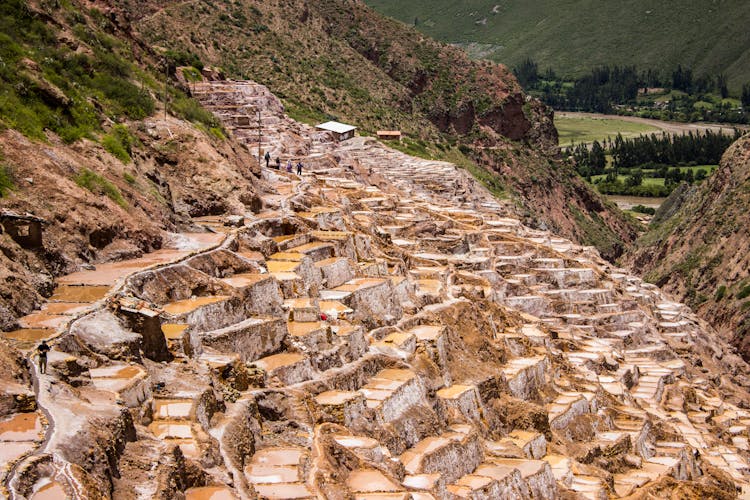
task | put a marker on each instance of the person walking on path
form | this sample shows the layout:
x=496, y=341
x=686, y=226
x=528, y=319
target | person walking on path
x=43, y=349
x=278, y=163
x=299, y=168
x=289, y=165
x=268, y=158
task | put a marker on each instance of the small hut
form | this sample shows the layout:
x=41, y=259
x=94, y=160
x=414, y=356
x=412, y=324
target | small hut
x=389, y=135
x=340, y=131
x=25, y=229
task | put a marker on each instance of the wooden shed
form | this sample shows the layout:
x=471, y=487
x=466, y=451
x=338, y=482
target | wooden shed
x=389, y=135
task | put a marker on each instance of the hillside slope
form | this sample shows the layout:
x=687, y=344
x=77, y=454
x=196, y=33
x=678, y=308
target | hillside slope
x=700, y=250
x=110, y=179
x=110, y=171
x=571, y=37
x=341, y=60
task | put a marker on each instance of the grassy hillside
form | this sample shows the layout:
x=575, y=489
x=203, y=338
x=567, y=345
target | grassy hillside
x=84, y=146
x=573, y=35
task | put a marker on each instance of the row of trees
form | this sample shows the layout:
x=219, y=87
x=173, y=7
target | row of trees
x=651, y=151
x=698, y=148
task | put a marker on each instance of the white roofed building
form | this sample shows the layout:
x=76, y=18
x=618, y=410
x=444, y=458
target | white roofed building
x=341, y=131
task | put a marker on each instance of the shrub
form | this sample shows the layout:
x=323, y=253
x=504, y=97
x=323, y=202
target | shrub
x=119, y=142
x=127, y=99
x=641, y=209
x=720, y=293
x=99, y=185
x=115, y=148
x=217, y=132
x=191, y=110
x=744, y=292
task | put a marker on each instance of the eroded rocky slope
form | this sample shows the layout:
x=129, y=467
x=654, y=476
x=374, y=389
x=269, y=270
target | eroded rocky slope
x=379, y=329
x=699, y=248
x=339, y=59
x=176, y=173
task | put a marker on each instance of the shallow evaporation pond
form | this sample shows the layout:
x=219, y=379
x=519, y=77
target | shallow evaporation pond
x=83, y=293
x=173, y=331
x=20, y=427
x=210, y=493
x=29, y=335
x=128, y=372
x=67, y=308
x=189, y=305
x=42, y=320
x=50, y=491
x=11, y=451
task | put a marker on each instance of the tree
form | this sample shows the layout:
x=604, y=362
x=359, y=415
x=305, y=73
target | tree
x=597, y=157
x=527, y=73
x=634, y=179
x=721, y=84
x=746, y=96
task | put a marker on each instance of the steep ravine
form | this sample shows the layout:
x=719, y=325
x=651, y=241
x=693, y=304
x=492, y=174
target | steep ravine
x=700, y=248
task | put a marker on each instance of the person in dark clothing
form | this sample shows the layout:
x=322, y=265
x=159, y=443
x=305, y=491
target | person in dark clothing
x=267, y=157
x=278, y=163
x=43, y=349
x=299, y=168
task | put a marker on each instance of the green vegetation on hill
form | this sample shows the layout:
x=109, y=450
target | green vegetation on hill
x=47, y=85
x=573, y=37
x=642, y=166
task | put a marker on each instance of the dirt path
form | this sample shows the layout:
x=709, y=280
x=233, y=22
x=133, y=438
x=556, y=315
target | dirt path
x=669, y=127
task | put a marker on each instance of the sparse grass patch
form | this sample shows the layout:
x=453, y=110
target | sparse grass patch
x=119, y=143
x=129, y=178
x=6, y=181
x=303, y=113
x=413, y=147
x=217, y=132
x=191, y=110
x=744, y=292
x=192, y=75
x=99, y=185
x=720, y=293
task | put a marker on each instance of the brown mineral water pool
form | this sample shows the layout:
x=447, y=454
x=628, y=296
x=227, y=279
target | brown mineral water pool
x=21, y=427
x=73, y=293
x=210, y=493
x=189, y=305
x=28, y=336
x=173, y=331
x=42, y=320
x=50, y=491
